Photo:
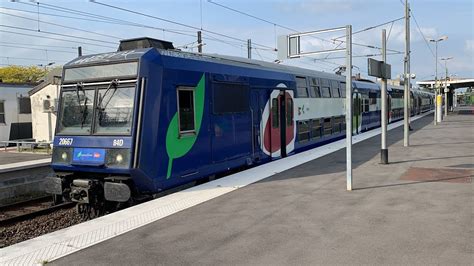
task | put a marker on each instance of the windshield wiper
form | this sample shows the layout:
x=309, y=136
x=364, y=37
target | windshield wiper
x=114, y=83
x=80, y=86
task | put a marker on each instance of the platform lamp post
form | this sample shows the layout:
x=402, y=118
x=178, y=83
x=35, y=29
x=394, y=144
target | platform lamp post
x=445, y=59
x=436, y=41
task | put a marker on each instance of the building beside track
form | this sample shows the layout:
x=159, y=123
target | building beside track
x=15, y=111
x=44, y=104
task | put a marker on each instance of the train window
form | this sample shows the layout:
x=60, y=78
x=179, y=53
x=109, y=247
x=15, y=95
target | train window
x=365, y=103
x=316, y=92
x=303, y=131
x=303, y=93
x=335, y=89
x=101, y=71
x=186, y=110
x=289, y=112
x=230, y=98
x=325, y=82
x=327, y=126
x=325, y=92
x=343, y=89
x=301, y=87
x=372, y=98
x=314, y=88
x=76, y=112
x=316, y=129
x=337, y=124
x=275, y=113
x=114, y=112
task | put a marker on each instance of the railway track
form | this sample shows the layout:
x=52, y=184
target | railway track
x=29, y=209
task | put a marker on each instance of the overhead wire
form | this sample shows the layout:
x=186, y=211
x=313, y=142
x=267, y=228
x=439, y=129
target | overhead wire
x=33, y=59
x=366, y=55
x=57, y=39
x=295, y=30
x=62, y=26
x=38, y=49
x=39, y=45
x=176, y=23
x=373, y=27
x=101, y=19
x=57, y=34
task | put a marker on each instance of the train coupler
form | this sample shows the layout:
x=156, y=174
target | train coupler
x=86, y=191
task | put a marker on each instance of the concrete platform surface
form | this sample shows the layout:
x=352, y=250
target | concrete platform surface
x=18, y=157
x=416, y=210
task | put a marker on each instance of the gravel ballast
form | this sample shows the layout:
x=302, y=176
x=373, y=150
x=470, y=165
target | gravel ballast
x=37, y=226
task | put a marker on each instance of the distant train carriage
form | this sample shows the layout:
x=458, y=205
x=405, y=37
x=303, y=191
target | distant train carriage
x=149, y=118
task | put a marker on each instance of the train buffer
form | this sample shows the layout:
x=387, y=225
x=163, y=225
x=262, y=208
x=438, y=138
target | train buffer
x=417, y=209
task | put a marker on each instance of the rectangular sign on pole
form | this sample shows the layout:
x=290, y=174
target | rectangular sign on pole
x=293, y=46
x=379, y=69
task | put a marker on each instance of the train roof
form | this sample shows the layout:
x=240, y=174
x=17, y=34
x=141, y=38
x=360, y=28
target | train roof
x=136, y=54
x=251, y=63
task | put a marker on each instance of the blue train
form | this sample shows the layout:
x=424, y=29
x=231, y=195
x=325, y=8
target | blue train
x=148, y=118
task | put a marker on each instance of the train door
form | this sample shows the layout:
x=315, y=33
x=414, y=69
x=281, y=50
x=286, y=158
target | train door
x=279, y=125
x=356, y=113
x=256, y=113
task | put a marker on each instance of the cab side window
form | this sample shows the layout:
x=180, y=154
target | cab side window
x=186, y=110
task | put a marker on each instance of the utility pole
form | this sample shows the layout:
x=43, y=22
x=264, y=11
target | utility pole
x=406, y=94
x=384, y=150
x=249, y=49
x=446, y=92
x=436, y=87
x=79, y=51
x=349, y=107
x=446, y=102
x=199, y=42
x=437, y=115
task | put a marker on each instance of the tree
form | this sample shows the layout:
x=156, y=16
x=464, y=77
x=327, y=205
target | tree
x=21, y=74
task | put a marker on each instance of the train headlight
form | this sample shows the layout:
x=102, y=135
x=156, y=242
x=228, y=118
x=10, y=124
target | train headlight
x=117, y=158
x=62, y=155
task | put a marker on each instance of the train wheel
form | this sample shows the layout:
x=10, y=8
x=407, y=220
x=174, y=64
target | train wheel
x=88, y=212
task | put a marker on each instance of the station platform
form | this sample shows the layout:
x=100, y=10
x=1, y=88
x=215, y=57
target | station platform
x=12, y=160
x=416, y=210
x=22, y=175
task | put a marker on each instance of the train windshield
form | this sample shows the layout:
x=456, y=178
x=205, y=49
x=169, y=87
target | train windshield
x=100, y=110
x=77, y=111
x=114, y=110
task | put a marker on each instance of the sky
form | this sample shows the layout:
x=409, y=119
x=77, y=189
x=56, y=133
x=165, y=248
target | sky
x=39, y=34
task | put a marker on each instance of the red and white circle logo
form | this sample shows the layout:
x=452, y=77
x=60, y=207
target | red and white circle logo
x=277, y=118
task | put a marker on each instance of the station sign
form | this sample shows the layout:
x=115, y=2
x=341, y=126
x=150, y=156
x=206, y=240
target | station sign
x=379, y=69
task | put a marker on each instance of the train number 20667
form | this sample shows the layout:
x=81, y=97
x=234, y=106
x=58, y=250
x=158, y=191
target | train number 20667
x=66, y=141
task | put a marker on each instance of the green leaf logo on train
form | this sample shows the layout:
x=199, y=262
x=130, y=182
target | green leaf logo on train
x=177, y=147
